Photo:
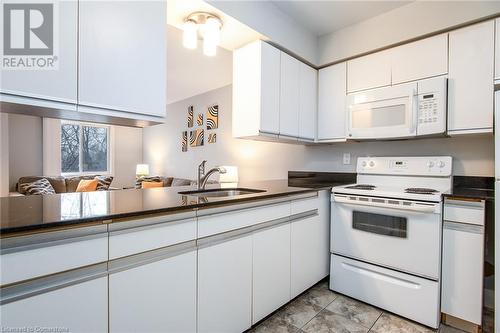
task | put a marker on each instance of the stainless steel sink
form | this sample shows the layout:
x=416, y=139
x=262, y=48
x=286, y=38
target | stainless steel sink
x=222, y=192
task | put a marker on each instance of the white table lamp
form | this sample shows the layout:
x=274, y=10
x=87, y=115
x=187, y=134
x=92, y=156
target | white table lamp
x=141, y=170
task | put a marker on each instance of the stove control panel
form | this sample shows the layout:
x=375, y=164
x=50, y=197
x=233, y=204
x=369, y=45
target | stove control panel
x=410, y=166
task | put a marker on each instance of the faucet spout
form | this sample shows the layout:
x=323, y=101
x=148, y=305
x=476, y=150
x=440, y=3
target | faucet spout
x=203, y=178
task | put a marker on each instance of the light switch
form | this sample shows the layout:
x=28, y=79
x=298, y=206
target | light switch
x=347, y=158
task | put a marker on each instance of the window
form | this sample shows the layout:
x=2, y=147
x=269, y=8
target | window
x=84, y=148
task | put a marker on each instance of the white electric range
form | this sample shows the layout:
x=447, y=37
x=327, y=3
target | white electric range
x=386, y=233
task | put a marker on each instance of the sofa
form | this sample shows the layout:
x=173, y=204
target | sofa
x=169, y=181
x=60, y=184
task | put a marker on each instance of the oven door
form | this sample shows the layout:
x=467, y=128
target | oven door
x=399, y=234
x=383, y=113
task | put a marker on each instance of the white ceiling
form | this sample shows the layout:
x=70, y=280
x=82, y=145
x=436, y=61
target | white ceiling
x=322, y=17
x=190, y=73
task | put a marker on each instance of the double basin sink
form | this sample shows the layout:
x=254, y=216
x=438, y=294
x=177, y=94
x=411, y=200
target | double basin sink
x=222, y=192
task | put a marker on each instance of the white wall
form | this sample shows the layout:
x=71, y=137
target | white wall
x=25, y=147
x=410, y=21
x=127, y=154
x=263, y=160
x=265, y=18
x=4, y=154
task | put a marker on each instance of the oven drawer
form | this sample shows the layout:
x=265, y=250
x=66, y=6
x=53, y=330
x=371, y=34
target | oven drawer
x=406, y=295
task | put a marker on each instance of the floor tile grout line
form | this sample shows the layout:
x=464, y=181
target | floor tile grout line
x=380, y=315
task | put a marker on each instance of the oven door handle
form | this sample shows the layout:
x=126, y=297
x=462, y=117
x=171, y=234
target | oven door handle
x=416, y=207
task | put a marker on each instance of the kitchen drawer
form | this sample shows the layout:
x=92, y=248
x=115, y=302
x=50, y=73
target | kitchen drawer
x=406, y=295
x=158, y=231
x=27, y=257
x=464, y=211
x=305, y=204
x=211, y=224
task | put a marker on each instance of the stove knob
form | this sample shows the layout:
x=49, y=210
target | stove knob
x=430, y=164
x=441, y=164
x=363, y=164
x=372, y=164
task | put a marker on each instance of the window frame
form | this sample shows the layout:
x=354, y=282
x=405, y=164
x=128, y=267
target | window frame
x=108, y=171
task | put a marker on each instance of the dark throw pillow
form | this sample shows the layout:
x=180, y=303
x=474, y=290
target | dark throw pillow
x=39, y=187
x=103, y=182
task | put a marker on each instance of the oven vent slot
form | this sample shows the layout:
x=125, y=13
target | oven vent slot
x=378, y=200
x=393, y=202
x=363, y=199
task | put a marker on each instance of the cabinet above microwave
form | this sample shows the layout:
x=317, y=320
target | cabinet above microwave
x=401, y=111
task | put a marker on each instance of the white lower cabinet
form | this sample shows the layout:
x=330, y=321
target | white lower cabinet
x=463, y=260
x=309, y=252
x=225, y=286
x=81, y=307
x=271, y=270
x=155, y=297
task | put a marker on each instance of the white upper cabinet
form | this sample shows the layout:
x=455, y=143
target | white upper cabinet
x=421, y=59
x=470, y=79
x=332, y=103
x=370, y=71
x=51, y=85
x=497, y=49
x=122, y=56
x=308, y=102
x=289, y=96
x=256, y=90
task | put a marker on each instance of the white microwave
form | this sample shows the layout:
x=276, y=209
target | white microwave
x=400, y=111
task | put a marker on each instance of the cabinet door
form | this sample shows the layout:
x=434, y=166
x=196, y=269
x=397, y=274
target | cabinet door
x=370, y=71
x=420, y=59
x=122, y=56
x=308, y=102
x=462, y=285
x=271, y=270
x=331, y=102
x=160, y=295
x=80, y=307
x=309, y=252
x=225, y=286
x=54, y=85
x=269, y=89
x=289, y=96
x=470, y=79
x=497, y=49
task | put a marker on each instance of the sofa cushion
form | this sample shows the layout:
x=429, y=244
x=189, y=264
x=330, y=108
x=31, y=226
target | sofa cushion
x=87, y=185
x=181, y=182
x=103, y=182
x=58, y=183
x=72, y=182
x=138, y=181
x=151, y=184
x=38, y=187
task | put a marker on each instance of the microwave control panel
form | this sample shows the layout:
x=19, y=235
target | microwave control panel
x=431, y=117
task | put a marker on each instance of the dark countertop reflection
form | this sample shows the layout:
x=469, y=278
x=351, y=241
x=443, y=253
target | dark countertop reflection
x=21, y=215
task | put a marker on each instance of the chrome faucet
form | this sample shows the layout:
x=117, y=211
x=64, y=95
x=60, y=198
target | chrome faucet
x=203, y=177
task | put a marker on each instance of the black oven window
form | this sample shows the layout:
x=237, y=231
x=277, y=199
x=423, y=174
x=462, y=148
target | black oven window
x=393, y=226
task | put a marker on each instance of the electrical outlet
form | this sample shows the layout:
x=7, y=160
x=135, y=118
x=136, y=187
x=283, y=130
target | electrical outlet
x=347, y=158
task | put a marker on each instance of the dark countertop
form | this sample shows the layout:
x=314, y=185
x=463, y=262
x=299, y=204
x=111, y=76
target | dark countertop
x=469, y=187
x=21, y=215
x=323, y=180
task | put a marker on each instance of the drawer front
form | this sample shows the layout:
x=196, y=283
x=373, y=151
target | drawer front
x=223, y=222
x=304, y=205
x=464, y=211
x=406, y=295
x=136, y=240
x=22, y=264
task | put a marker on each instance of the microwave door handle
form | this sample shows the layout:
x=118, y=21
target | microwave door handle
x=414, y=108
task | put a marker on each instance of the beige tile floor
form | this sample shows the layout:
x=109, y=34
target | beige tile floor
x=320, y=310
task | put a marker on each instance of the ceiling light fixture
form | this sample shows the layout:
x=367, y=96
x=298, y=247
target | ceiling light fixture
x=208, y=26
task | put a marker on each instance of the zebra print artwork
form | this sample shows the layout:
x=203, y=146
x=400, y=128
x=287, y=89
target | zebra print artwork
x=185, y=141
x=212, y=137
x=196, y=138
x=199, y=120
x=190, y=116
x=213, y=117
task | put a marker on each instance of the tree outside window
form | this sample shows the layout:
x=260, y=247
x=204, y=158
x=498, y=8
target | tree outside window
x=84, y=148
